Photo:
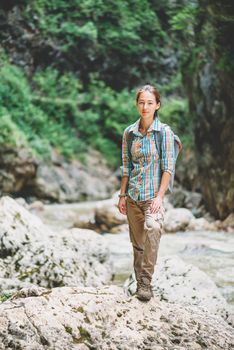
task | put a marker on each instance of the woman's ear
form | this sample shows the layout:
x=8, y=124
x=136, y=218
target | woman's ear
x=158, y=106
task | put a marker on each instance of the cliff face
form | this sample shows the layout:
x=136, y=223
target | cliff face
x=209, y=81
x=84, y=37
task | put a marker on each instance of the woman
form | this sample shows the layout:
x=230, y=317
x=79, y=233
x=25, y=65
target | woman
x=145, y=179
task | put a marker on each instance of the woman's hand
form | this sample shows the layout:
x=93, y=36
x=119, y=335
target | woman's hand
x=122, y=206
x=156, y=204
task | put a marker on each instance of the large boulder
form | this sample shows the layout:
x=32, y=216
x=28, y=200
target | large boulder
x=180, y=198
x=105, y=318
x=18, y=166
x=177, y=219
x=177, y=282
x=108, y=217
x=62, y=181
x=32, y=253
x=55, y=180
x=228, y=223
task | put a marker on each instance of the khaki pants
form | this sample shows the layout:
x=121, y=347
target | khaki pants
x=145, y=231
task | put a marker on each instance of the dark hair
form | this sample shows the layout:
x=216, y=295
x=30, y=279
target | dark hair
x=151, y=89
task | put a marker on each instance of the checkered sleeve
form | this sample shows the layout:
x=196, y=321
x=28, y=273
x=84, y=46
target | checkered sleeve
x=168, y=152
x=126, y=157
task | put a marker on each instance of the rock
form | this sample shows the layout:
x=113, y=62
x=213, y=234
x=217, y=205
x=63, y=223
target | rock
x=177, y=282
x=167, y=202
x=56, y=180
x=72, y=182
x=228, y=223
x=108, y=217
x=17, y=167
x=193, y=200
x=10, y=285
x=120, y=229
x=86, y=224
x=177, y=198
x=201, y=224
x=181, y=198
x=187, y=171
x=105, y=318
x=22, y=201
x=37, y=205
x=32, y=253
x=177, y=219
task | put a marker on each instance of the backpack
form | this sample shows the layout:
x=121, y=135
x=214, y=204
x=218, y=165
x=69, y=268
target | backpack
x=158, y=140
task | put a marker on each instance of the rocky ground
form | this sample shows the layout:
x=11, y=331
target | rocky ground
x=31, y=253
x=103, y=216
x=105, y=318
x=56, y=292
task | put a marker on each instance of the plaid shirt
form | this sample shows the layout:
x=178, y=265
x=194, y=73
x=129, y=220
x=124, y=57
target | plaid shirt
x=143, y=165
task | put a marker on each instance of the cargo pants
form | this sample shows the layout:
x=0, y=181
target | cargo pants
x=145, y=229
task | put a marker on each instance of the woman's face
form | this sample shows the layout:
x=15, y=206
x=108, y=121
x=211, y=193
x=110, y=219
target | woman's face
x=147, y=105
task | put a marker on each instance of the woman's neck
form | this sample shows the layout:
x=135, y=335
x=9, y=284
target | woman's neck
x=145, y=124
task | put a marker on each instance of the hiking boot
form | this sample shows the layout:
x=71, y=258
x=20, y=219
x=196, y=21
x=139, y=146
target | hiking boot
x=144, y=290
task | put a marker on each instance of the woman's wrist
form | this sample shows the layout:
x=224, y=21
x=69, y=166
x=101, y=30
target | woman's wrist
x=122, y=195
x=160, y=194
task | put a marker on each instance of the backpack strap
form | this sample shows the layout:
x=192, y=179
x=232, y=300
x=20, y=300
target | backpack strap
x=158, y=135
x=129, y=143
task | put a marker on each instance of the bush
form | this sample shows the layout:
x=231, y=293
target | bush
x=55, y=111
x=10, y=134
x=42, y=116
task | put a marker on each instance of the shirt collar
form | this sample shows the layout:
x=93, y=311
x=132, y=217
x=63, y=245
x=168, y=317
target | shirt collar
x=156, y=125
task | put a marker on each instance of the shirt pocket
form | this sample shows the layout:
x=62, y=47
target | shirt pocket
x=152, y=149
x=136, y=149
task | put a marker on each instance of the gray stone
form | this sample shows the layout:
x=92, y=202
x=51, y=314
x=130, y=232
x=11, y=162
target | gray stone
x=177, y=219
x=177, y=282
x=105, y=318
x=74, y=181
x=109, y=217
x=17, y=167
x=228, y=223
x=33, y=253
x=202, y=224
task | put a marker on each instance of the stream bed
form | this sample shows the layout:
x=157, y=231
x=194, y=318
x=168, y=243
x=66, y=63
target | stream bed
x=212, y=252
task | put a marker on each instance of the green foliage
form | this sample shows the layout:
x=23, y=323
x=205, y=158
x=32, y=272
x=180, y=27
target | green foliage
x=184, y=19
x=115, y=109
x=110, y=150
x=56, y=112
x=41, y=120
x=183, y=22
x=4, y=297
x=226, y=62
x=105, y=36
x=10, y=134
x=84, y=97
